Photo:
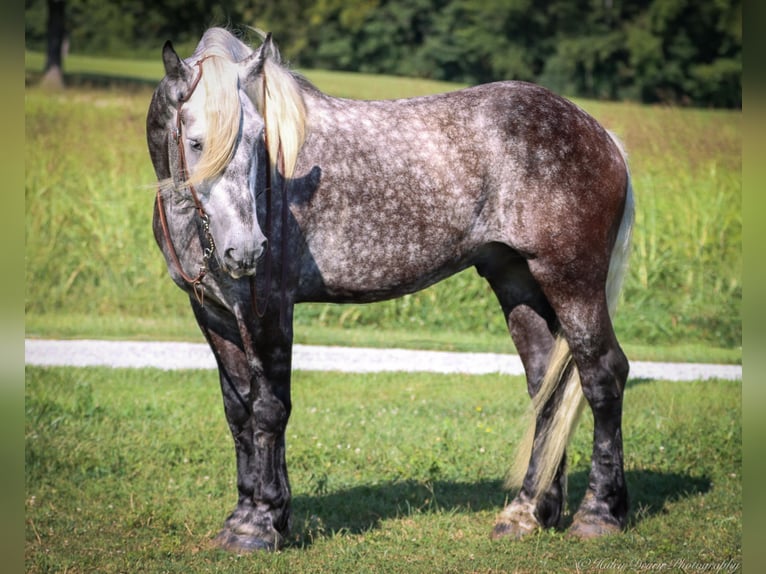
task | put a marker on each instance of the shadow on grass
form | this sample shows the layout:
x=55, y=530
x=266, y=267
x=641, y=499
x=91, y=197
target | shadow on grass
x=634, y=382
x=363, y=508
x=649, y=491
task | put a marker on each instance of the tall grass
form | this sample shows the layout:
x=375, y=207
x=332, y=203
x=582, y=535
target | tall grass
x=89, y=249
x=89, y=197
x=685, y=278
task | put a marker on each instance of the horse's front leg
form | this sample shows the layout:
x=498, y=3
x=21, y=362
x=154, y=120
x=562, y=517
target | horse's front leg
x=255, y=385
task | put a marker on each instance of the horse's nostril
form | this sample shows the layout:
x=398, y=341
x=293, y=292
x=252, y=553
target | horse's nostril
x=244, y=260
x=233, y=259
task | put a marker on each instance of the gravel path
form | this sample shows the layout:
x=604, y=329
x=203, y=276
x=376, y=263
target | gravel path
x=167, y=356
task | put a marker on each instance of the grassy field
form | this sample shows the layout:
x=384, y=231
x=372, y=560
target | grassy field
x=92, y=268
x=133, y=471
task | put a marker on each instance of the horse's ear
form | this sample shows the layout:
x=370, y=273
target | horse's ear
x=175, y=67
x=252, y=66
x=269, y=49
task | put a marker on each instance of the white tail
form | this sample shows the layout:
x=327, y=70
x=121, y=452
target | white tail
x=554, y=439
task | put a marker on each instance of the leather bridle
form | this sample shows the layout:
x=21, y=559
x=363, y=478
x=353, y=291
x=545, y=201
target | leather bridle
x=196, y=281
x=207, y=253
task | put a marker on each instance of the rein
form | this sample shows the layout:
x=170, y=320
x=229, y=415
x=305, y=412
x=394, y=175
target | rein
x=280, y=163
x=196, y=282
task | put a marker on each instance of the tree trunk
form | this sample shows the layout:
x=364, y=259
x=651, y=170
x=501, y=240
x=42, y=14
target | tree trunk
x=53, y=77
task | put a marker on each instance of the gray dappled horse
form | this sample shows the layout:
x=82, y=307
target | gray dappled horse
x=273, y=193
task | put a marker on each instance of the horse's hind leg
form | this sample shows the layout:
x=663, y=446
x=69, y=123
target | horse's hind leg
x=531, y=322
x=581, y=307
x=531, y=510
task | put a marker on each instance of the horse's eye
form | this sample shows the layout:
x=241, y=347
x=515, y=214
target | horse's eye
x=196, y=145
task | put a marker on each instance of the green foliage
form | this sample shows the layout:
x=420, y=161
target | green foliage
x=688, y=233
x=90, y=251
x=673, y=51
x=133, y=471
x=132, y=27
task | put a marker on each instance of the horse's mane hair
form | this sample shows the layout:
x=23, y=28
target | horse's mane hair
x=278, y=101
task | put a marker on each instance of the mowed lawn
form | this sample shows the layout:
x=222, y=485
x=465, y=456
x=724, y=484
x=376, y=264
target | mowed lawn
x=133, y=471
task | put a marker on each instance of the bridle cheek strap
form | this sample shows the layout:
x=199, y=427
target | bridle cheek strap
x=196, y=282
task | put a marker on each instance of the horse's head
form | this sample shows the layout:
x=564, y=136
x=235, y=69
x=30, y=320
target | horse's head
x=206, y=142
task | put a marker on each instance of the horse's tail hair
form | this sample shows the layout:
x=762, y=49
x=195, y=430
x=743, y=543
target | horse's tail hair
x=562, y=371
x=554, y=438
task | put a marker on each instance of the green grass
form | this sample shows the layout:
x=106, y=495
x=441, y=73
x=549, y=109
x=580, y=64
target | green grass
x=133, y=470
x=92, y=268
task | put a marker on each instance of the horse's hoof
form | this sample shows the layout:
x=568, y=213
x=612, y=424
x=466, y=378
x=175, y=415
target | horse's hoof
x=516, y=521
x=585, y=528
x=245, y=543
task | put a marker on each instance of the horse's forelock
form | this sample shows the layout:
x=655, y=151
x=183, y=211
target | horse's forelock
x=222, y=113
x=220, y=51
x=280, y=104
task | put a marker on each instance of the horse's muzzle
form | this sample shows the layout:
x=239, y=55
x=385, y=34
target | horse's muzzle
x=242, y=262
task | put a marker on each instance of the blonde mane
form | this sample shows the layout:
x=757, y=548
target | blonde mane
x=279, y=101
x=276, y=94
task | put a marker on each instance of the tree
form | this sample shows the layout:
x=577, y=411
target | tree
x=672, y=51
x=53, y=76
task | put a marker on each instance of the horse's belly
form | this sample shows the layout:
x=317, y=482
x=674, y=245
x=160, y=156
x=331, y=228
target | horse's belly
x=371, y=267
x=377, y=238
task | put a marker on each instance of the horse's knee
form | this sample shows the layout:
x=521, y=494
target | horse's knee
x=603, y=383
x=270, y=415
